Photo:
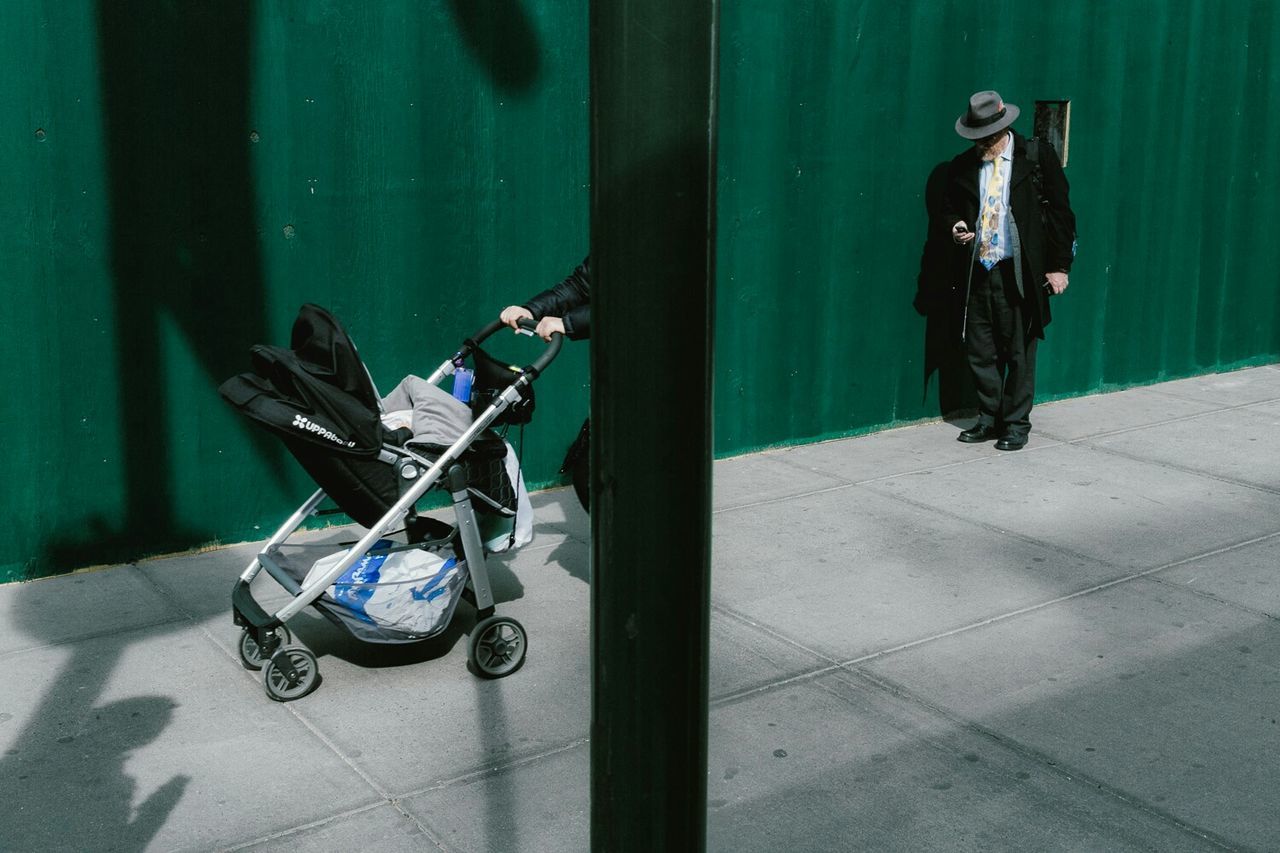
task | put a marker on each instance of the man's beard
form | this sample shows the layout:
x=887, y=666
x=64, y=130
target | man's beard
x=993, y=151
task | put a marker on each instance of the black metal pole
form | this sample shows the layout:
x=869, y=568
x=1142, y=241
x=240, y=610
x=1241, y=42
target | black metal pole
x=653, y=111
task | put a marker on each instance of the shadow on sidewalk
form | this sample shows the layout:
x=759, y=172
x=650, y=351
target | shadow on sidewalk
x=67, y=771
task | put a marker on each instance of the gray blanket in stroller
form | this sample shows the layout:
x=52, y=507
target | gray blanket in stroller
x=437, y=416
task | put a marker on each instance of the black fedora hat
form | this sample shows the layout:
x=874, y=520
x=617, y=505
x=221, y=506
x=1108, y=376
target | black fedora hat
x=987, y=115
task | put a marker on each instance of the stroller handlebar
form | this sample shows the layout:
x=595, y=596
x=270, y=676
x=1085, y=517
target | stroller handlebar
x=549, y=354
x=539, y=364
x=480, y=336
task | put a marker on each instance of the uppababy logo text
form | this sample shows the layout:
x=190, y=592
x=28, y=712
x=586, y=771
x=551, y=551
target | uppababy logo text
x=303, y=424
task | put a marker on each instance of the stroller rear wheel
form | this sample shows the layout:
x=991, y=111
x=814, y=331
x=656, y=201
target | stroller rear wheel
x=497, y=647
x=251, y=655
x=291, y=674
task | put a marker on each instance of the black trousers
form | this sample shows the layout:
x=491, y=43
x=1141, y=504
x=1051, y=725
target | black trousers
x=1002, y=357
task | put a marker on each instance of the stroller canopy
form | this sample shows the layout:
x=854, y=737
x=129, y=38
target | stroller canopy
x=318, y=392
x=317, y=396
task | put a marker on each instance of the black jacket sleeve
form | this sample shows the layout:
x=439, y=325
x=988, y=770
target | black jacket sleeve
x=570, y=300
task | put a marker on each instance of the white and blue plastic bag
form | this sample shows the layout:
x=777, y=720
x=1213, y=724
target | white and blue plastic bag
x=412, y=591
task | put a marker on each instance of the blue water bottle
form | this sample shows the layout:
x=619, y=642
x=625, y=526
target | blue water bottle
x=462, y=378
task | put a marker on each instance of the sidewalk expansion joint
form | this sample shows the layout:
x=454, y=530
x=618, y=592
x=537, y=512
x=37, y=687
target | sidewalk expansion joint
x=1012, y=534
x=1050, y=763
x=854, y=665
x=397, y=801
x=1179, y=419
x=833, y=665
x=98, y=635
x=316, y=824
x=1052, y=441
x=843, y=483
x=497, y=769
x=1222, y=407
x=1216, y=599
x=838, y=487
x=1182, y=469
x=336, y=750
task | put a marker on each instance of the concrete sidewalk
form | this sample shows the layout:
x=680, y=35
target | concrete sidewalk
x=916, y=645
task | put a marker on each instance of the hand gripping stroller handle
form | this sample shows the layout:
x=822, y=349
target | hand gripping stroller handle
x=548, y=355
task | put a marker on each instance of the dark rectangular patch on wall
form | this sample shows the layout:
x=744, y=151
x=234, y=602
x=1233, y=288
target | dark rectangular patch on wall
x=1053, y=124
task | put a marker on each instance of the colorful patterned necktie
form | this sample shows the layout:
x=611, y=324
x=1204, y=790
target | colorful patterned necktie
x=989, y=250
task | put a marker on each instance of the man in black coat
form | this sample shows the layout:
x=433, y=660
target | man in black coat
x=1008, y=207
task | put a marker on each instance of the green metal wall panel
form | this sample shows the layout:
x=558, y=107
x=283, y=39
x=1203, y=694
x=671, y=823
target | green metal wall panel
x=179, y=177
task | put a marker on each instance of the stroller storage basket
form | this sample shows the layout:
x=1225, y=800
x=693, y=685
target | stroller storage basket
x=428, y=590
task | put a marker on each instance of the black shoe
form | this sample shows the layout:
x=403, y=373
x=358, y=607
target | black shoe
x=1012, y=442
x=979, y=432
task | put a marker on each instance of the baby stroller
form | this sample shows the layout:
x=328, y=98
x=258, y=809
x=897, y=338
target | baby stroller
x=374, y=466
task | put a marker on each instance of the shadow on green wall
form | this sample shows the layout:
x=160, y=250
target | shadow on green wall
x=502, y=38
x=183, y=244
x=940, y=301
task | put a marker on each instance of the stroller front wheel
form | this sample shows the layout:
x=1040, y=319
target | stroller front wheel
x=497, y=647
x=291, y=674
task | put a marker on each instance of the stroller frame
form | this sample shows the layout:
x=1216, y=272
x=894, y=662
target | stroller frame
x=497, y=644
